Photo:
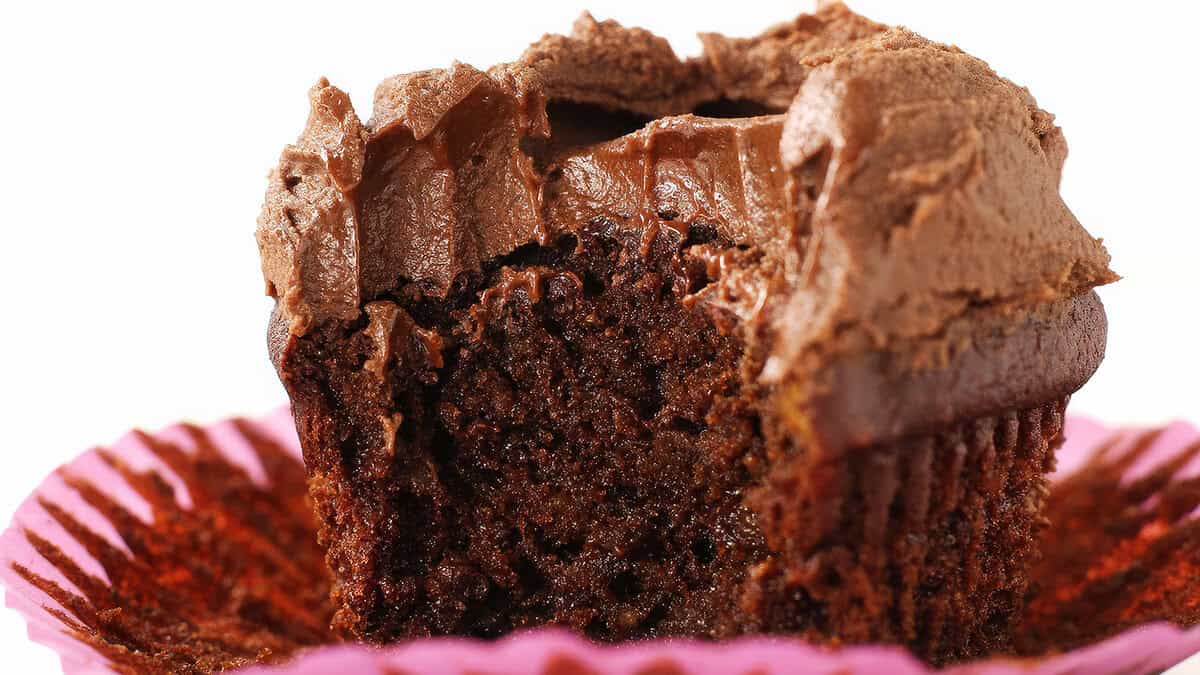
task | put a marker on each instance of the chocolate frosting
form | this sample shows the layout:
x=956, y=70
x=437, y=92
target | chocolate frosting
x=889, y=190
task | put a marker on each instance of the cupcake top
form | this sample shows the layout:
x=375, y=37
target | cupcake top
x=854, y=189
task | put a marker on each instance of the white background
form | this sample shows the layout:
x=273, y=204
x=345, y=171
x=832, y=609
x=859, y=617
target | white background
x=136, y=141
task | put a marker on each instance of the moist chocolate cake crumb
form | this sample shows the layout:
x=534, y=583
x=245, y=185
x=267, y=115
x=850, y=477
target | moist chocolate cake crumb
x=572, y=442
x=772, y=340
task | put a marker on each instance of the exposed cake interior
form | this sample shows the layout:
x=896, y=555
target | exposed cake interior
x=573, y=444
x=569, y=438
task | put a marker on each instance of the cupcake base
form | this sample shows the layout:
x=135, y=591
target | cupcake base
x=95, y=557
x=924, y=542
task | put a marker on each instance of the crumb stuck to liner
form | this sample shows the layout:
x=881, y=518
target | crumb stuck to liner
x=192, y=550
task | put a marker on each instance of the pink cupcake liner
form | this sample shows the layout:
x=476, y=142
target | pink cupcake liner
x=148, y=503
x=1148, y=649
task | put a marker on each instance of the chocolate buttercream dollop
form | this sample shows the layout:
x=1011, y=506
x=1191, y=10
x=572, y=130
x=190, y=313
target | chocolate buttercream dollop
x=935, y=189
x=308, y=231
x=933, y=202
x=882, y=188
x=447, y=186
x=609, y=65
x=769, y=68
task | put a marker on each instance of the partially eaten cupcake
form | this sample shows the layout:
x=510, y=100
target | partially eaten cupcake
x=773, y=340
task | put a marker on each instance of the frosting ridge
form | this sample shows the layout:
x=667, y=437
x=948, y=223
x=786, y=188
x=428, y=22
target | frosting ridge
x=881, y=186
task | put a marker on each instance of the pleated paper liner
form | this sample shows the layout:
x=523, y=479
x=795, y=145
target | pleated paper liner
x=193, y=550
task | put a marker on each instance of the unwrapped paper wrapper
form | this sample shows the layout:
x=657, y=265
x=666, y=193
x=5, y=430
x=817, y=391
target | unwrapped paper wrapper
x=194, y=550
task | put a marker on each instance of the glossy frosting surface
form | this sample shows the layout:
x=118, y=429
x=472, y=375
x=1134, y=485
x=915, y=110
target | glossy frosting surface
x=871, y=190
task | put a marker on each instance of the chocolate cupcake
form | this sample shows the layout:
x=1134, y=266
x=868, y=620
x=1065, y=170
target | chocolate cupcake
x=773, y=340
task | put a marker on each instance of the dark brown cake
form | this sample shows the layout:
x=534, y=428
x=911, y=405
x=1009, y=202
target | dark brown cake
x=777, y=339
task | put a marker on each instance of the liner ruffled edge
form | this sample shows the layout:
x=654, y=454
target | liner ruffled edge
x=1147, y=649
x=38, y=608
